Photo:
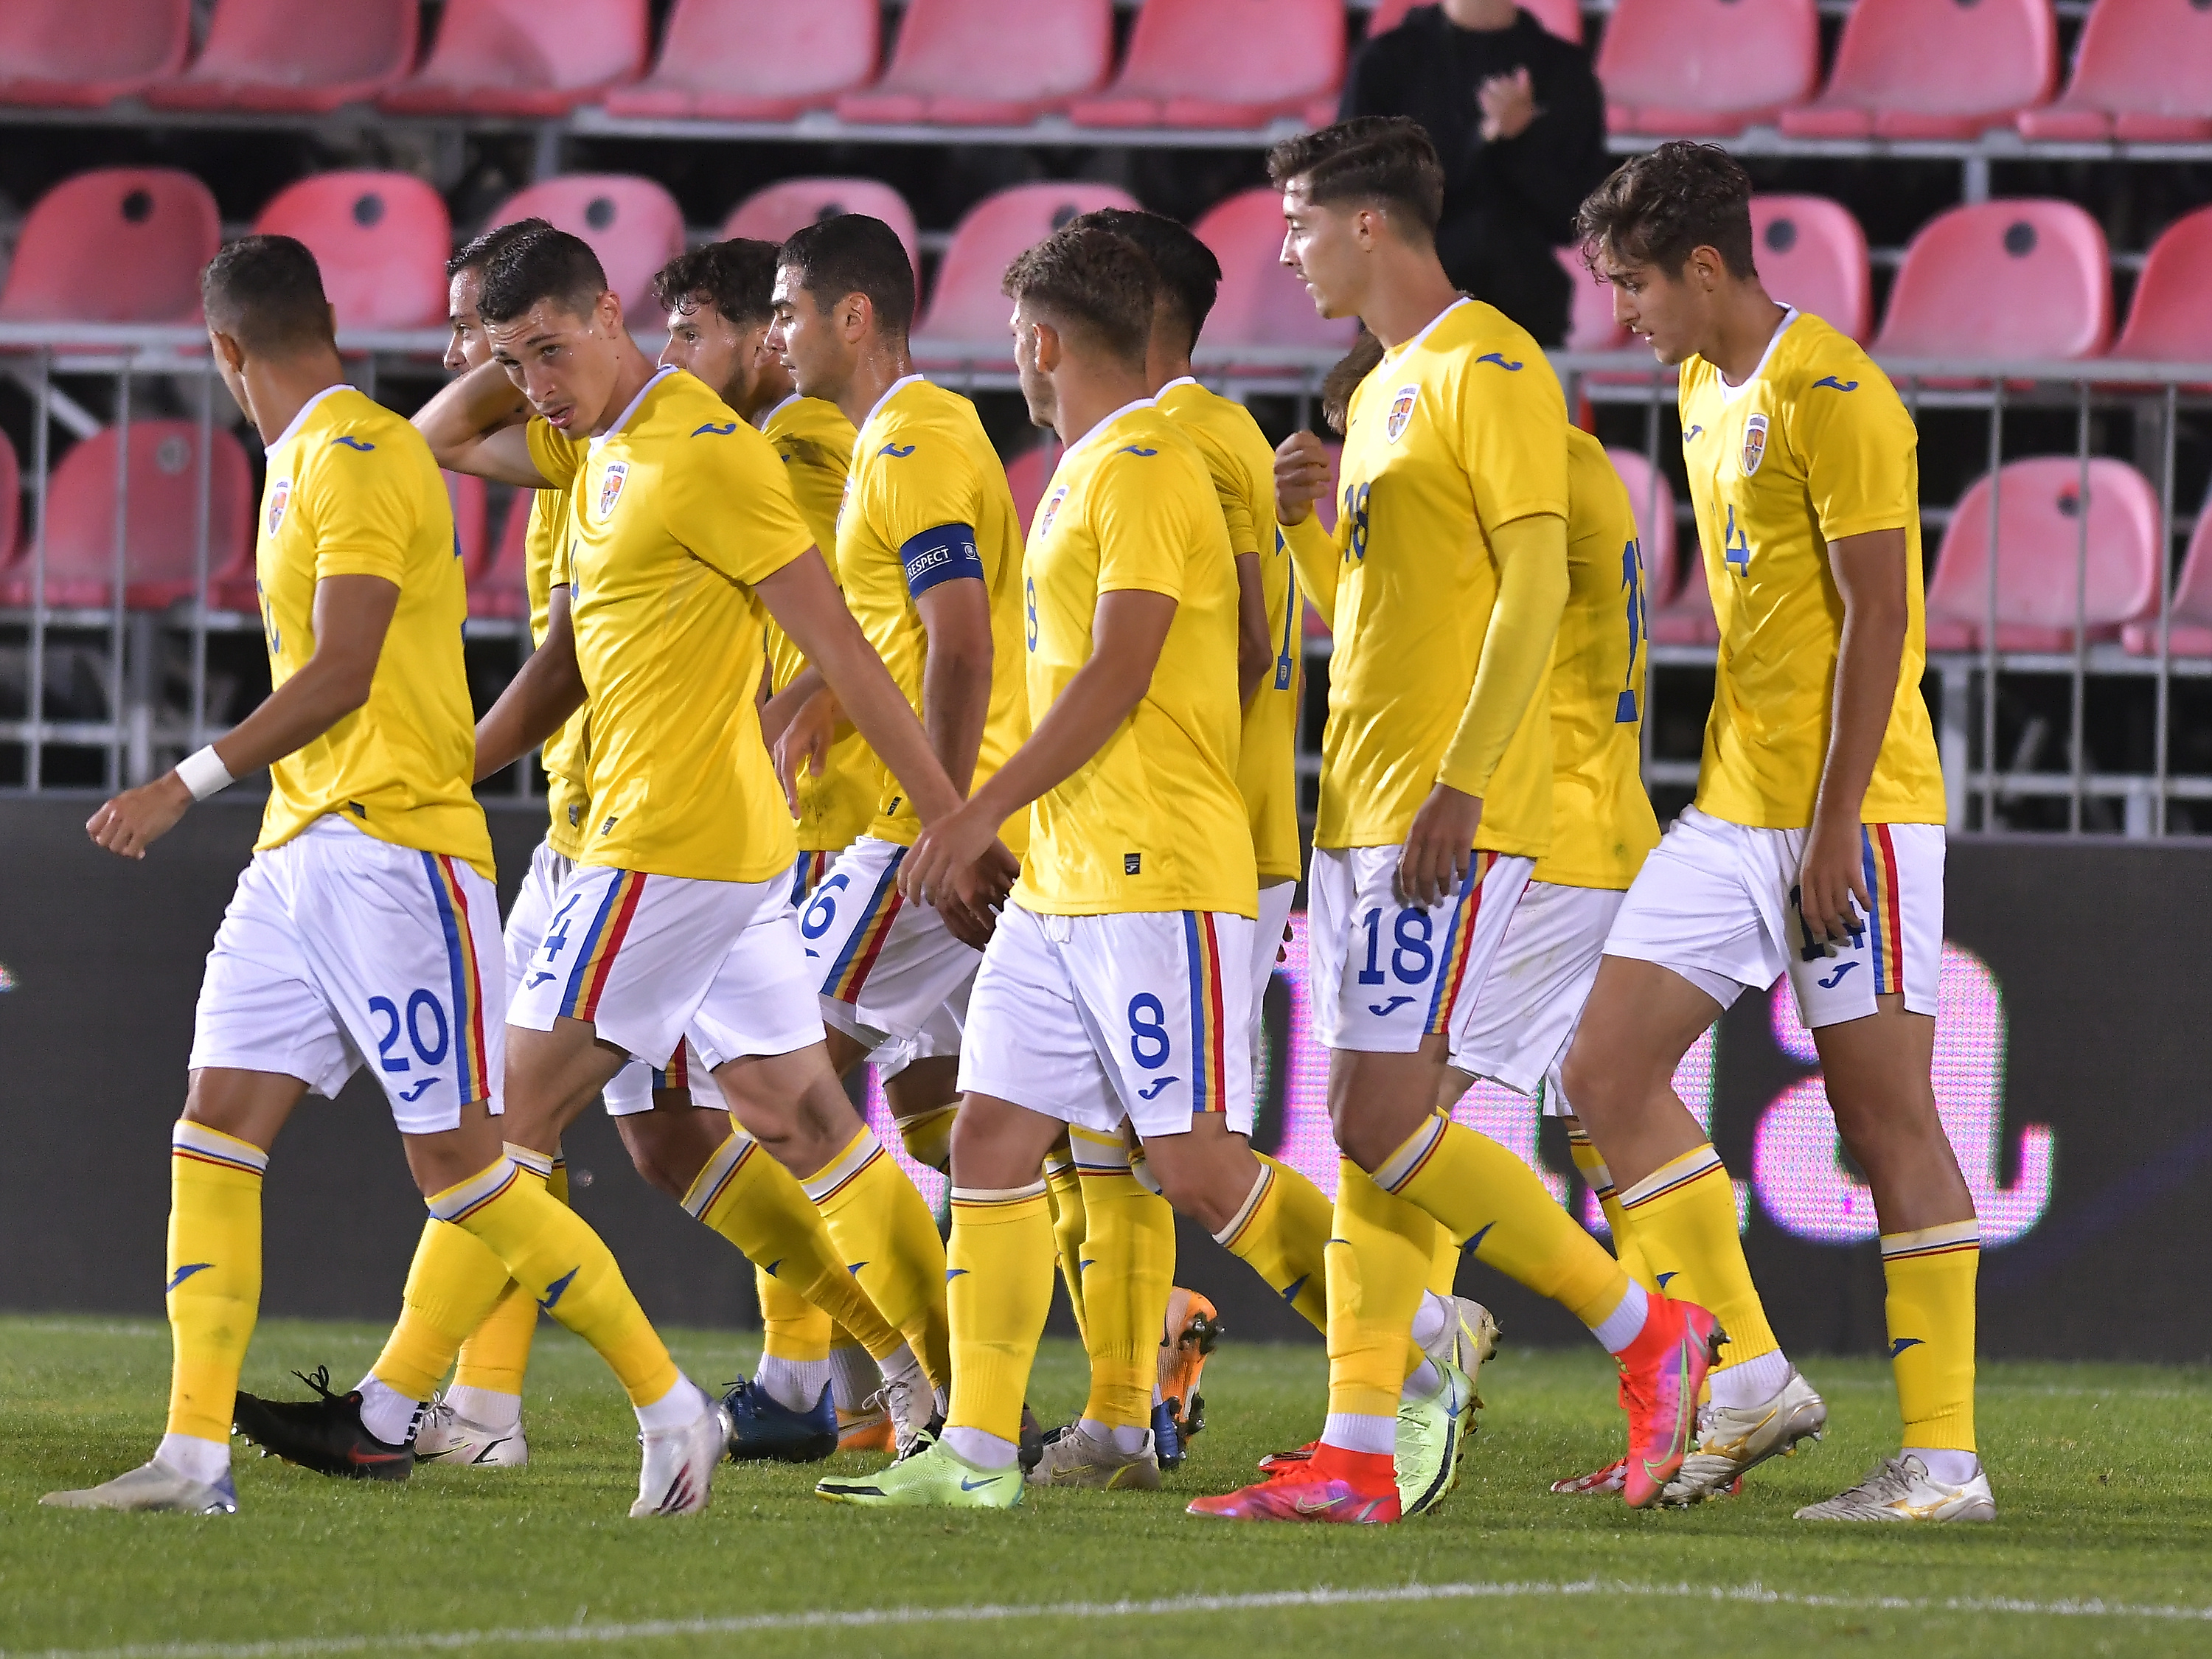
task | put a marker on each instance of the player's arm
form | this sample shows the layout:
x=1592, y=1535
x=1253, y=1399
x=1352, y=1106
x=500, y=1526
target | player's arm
x=1871, y=572
x=1302, y=479
x=539, y=698
x=1524, y=625
x=1126, y=634
x=1255, y=650
x=352, y=615
x=479, y=423
x=956, y=673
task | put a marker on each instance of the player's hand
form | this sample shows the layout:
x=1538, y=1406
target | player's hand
x=971, y=913
x=932, y=870
x=136, y=818
x=1508, y=103
x=1438, y=846
x=806, y=742
x=1832, y=876
x=1301, y=475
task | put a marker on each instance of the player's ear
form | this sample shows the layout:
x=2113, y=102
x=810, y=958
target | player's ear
x=228, y=351
x=607, y=313
x=855, y=313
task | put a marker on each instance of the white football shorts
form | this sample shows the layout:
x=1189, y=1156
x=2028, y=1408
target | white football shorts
x=1716, y=902
x=1384, y=976
x=339, y=950
x=1517, y=1027
x=885, y=966
x=1091, y=1020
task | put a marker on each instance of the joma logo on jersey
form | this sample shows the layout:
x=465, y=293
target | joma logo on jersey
x=280, y=497
x=1051, y=507
x=610, y=486
x=1754, y=443
x=1402, y=412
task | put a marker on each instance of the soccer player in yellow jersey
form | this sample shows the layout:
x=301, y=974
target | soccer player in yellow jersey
x=1815, y=846
x=1116, y=983
x=1436, y=795
x=365, y=923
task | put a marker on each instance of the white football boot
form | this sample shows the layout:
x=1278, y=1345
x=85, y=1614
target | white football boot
x=1734, y=1439
x=679, y=1471
x=150, y=1486
x=1903, y=1490
x=447, y=1437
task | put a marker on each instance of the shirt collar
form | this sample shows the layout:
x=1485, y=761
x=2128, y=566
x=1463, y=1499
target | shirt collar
x=779, y=410
x=1139, y=402
x=1730, y=393
x=300, y=419
x=622, y=419
x=1430, y=327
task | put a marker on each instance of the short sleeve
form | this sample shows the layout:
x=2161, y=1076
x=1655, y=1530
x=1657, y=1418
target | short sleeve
x=548, y=508
x=1148, y=520
x=1233, y=486
x=726, y=500
x=923, y=481
x=1513, y=437
x=367, y=507
x=558, y=459
x=1859, y=446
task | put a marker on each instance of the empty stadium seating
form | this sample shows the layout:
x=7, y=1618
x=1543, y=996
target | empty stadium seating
x=295, y=55
x=772, y=214
x=49, y=56
x=2039, y=557
x=1933, y=68
x=381, y=239
x=1563, y=17
x=2192, y=632
x=633, y=224
x=2169, y=318
x=121, y=245
x=1221, y=63
x=756, y=60
x=162, y=517
x=11, y=503
x=1259, y=302
x=1812, y=254
x=1027, y=475
x=1706, y=67
x=965, y=304
x=988, y=63
x=466, y=492
x=2002, y=279
x=496, y=591
x=2143, y=69
x=531, y=58
x=1672, y=596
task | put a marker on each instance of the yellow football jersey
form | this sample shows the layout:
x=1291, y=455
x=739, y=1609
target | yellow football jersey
x=567, y=754
x=1601, y=819
x=1242, y=465
x=921, y=465
x=352, y=490
x=1814, y=447
x=1153, y=820
x=672, y=514
x=1455, y=432
x=816, y=442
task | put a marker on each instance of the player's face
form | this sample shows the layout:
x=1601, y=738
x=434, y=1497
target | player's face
x=1322, y=248
x=1035, y=351
x=470, y=348
x=726, y=355
x=805, y=340
x=564, y=364
x=1667, y=311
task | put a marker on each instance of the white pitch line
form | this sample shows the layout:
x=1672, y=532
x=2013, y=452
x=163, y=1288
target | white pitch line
x=1753, y=1594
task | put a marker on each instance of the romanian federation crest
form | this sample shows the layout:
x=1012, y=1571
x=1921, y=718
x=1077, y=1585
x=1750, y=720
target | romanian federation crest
x=1051, y=508
x=280, y=497
x=1754, y=443
x=1402, y=412
x=610, y=486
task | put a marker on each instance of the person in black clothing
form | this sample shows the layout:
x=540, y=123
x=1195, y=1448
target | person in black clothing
x=1519, y=122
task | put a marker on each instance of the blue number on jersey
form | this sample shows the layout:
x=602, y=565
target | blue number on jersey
x=1631, y=581
x=1735, y=548
x=1355, y=509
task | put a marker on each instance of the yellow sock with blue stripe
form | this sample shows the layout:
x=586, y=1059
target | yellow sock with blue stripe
x=886, y=1237
x=1443, y=1265
x=998, y=1289
x=489, y=1371
x=1127, y=1268
x=1930, y=1306
x=1282, y=1233
x=1064, y=1187
x=1682, y=1216
x=1379, y=1256
x=1599, y=1180
x=792, y=1329
x=214, y=1286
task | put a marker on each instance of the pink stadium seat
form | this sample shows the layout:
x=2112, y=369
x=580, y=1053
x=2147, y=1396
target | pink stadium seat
x=471, y=519
x=540, y=58
x=771, y=215
x=11, y=503
x=633, y=224
x=1653, y=499
x=123, y=244
x=1934, y=68
x=1590, y=326
x=1812, y=254
x=756, y=60
x=2191, y=632
x=988, y=63
x=1259, y=302
x=1221, y=63
x=163, y=516
x=498, y=591
x=291, y=55
x=58, y=53
x=2002, y=279
x=2039, y=550
x=1706, y=67
x=2170, y=319
x=1027, y=475
x=965, y=304
x=381, y=239
x=1563, y=17
x=2143, y=69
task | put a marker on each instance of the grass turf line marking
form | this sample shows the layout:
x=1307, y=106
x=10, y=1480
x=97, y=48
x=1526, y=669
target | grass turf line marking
x=1754, y=1594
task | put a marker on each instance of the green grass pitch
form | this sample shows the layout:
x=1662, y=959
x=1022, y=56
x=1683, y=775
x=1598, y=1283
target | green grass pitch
x=2103, y=1475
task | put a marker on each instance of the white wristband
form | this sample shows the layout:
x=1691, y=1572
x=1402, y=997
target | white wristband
x=203, y=773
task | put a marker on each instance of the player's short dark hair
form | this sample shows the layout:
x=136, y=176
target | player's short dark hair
x=476, y=254
x=1385, y=159
x=541, y=265
x=853, y=254
x=266, y=293
x=1189, y=275
x=1090, y=283
x=737, y=276
x=1656, y=207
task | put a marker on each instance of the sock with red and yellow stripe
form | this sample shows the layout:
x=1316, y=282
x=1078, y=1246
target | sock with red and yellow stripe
x=886, y=1238
x=1930, y=1306
x=489, y=1371
x=999, y=1290
x=1599, y=1180
x=1282, y=1233
x=214, y=1289
x=928, y=1136
x=1682, y=1216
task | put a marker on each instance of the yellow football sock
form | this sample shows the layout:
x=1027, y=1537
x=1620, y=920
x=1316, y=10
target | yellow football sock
x=929, y=1136
x=757, y=1204
x=1490, y=1200
x=1128, y=1271
x=886, y=1236
x=1064, y=1189
x=1599, y=1180
x=551, y=1253
x=792, y=1327
x=1378, y=1262
x=1443, y=1266
x=215, y=1273
x=1282, y=1234
x=1000, y=1290
x=496, y=1355
x=1683, y=1218
x=1931, y=1331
